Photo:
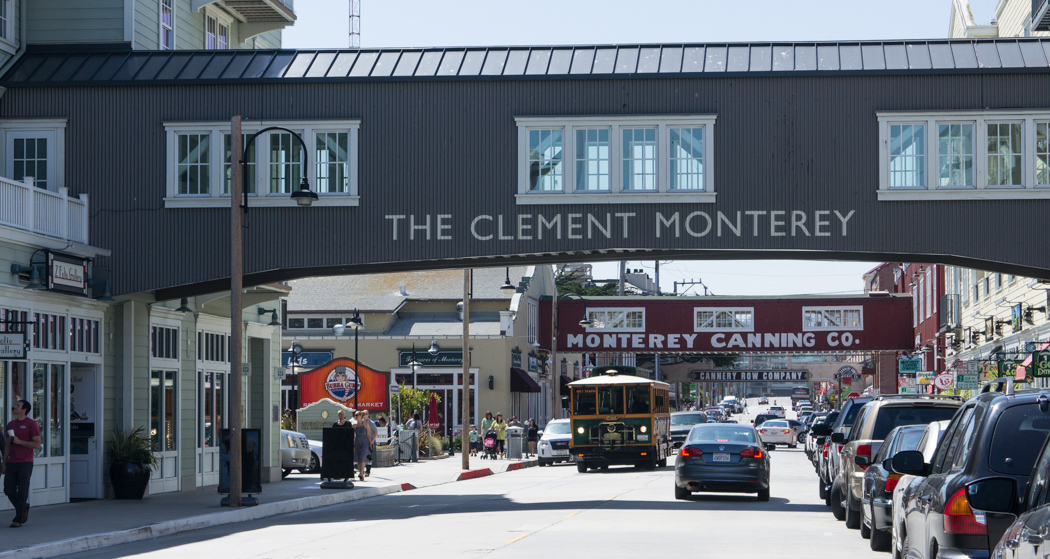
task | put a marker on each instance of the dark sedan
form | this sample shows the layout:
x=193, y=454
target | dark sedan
x=722, y=458
x=682, y=422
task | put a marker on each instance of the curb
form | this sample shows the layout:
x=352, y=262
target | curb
x=170, y=527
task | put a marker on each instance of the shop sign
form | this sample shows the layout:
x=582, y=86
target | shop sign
x=13, y=345
x=346, y=383
x=67, y=274
x=944, y=381
x=925, y=378
x=749, y=376
x=909, y=365
x=444, y=358
x=515, y=359
x=1040, y=366
x=1008, y=368
x=848, y=371
x=305, y=360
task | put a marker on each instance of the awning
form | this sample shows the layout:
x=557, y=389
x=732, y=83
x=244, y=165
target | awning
x=1022, y=369
x=520, y=381
x=565, y=380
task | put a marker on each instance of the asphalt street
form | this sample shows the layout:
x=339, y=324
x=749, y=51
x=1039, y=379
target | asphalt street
x=621, y=512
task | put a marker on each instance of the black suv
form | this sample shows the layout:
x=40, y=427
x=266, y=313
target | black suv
x=996, y=434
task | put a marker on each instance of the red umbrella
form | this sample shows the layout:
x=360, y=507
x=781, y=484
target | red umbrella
x=433, y=421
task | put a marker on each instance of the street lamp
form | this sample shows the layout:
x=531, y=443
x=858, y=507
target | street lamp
x=239, y=189
x=356, y=323
x=585, y=323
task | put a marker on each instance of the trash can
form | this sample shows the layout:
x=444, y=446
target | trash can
x=515, y=441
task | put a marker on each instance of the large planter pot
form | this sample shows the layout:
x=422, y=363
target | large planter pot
x=384, y=457
x=129, y=479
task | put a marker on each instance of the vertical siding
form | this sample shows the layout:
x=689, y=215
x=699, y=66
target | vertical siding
x=75, y=21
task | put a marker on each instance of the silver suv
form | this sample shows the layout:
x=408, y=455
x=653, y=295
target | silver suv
x=877, y=418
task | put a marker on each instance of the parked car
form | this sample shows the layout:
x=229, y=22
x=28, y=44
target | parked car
x=780, y=431
x=874, y=421
x=799, y=404
x=553, y=446
x=876, y=499
x=828, y=461
x=803, y=416
x=927, y=445
x=295, y=452
x=998, y=433
x=682, y=422
x=813, y=442
x=997, y=497
x=316, y=452
x=715, y=413
x=722, y=458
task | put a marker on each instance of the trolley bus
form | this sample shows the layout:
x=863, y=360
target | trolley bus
x=619, y=418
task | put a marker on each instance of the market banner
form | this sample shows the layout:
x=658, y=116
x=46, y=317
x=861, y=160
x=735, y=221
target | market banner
x=336, y=381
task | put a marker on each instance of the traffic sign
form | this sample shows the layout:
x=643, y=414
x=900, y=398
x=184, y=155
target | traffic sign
x=394, y=388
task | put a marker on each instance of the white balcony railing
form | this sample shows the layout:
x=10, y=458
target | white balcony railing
x=55, y=214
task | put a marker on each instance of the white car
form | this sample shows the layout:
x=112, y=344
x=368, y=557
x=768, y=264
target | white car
x=316, y=452
x=777, y=411
x=295, y=452
x=927, y=445
x=553, y=446
x=779, y=431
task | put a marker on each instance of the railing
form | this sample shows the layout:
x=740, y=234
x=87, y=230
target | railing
x=55, y=214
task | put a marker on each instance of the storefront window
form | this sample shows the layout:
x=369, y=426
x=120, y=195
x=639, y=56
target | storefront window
x=211, y=402
x=162, y=410
x=57, y=412
x=39, y=402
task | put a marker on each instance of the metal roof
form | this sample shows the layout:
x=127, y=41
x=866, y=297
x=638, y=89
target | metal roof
x=78, y=66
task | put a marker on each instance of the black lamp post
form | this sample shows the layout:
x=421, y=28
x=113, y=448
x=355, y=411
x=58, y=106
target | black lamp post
x=356, y=323
x=239, y=189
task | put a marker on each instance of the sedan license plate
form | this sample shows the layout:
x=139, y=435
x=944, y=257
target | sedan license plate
x=560, y=452
x=721, y=458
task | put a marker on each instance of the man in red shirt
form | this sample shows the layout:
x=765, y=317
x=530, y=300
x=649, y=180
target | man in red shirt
x=23, y=437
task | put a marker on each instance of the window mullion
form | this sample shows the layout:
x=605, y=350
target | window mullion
x=568, y=135
x=615, y=159
x=663, y=158
x=216, y=162
x=933, y=156
x=1028, y=153
x=980, y=153
x=262, y=164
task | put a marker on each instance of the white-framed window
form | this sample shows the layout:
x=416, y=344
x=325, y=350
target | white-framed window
x=607, y=160
x=165, y=363
x=533, y=318
x=199, y=156
x=954, y=155
x=618, y=319
x=832, y=318
x=216, y=29
x=929, y=292
x=35, y=148
x=723, y=319
x=915, y=305
x=167, y=24
x=8, y=35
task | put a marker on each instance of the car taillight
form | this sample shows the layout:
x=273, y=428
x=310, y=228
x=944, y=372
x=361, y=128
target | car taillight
x=690, y=452
x=864, y=450
x=786, y=431
x=763, y=431
x=826, y=450
x=838, y=448
x=891, y=483
x=959, y=517
x=751, y=453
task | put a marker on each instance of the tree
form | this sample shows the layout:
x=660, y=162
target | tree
x=571, y=283
x=409, y=400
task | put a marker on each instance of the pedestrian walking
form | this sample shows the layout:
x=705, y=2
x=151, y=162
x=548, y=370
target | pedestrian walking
x=23, y=437
x=362, y=443
x=373, y=432
x=532, y=436
x=487, y=422
x=474, y=440
x=500, y=427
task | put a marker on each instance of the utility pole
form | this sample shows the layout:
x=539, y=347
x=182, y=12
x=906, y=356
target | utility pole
x=689, y=283
x=657, y=278
x=623, y=274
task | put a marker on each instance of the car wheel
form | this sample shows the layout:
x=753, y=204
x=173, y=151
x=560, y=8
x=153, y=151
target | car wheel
x=905, y=546
x=852, y=514
x=822, y=489
x=581, y=467
x=603, y=467
x=286, y=472
x=662, y=463
x=880, y=539
x=681, y=493
x=793, y=446
x=865, y=529
x=835, y=497
x=763, y=494
x=315, y=463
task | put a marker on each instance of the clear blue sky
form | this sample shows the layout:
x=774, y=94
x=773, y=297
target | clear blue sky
x=417, y=23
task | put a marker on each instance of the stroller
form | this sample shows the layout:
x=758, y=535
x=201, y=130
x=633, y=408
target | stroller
x=490, y=444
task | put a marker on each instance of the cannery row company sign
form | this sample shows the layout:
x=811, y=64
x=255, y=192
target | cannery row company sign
x=749, y=376
x=732, y=324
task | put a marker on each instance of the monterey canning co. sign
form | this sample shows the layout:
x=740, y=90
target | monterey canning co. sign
x=733, y=325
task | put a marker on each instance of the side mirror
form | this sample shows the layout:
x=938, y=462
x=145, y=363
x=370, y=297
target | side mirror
x=909, y=462
x=995, y=494
x=861, y=460
x=838, y=438
x=821, y=429
x=887, y=465
x=821, y=441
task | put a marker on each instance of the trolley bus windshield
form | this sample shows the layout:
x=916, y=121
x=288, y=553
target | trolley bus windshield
x=612, y=400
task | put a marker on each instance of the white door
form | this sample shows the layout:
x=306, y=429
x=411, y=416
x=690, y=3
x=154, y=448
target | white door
x=84, y=479
x=164, y=430
x=211, y=406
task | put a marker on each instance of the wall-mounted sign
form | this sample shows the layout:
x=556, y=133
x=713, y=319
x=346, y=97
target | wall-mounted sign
x=848, y=371
x=925, y=378
x=944, y=381
x=909, y=365
x=338, y=382
x=1040, y=366
x=13, y=345
x=1008, y=368
x=749, y=376
x=305, y=360
x=67, y=273
x=444, y=358
x=1016, y=318
x=989, y=328
x=515, y=359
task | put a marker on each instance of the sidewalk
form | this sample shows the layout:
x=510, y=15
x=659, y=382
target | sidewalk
x=76, y=527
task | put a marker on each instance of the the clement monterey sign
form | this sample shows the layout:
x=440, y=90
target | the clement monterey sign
x=744, y=376
x=733, y=324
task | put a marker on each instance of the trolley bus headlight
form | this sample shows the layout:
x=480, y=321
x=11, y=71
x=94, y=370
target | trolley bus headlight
x=644, y=429
x=579, y=430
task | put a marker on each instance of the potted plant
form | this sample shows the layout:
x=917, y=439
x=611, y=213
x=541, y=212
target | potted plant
x=131, y=463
